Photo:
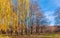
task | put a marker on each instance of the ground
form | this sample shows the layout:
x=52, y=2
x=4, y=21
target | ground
x=32, y=36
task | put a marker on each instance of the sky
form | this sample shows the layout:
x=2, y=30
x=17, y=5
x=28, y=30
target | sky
x=49, y=7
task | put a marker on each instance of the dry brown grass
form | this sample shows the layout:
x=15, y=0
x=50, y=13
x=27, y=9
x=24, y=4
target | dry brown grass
x=34, y=36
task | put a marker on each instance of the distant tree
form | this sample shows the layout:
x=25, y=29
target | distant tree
x=57, y=12
x=43, y=24
x=57, y=18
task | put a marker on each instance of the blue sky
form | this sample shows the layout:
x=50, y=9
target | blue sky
x=48, y=7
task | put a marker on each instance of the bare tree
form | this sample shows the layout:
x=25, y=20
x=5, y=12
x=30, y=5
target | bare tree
x=35, y=9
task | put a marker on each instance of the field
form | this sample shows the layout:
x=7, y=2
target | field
x=32, y=36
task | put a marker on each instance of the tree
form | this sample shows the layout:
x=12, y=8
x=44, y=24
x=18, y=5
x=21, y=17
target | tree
x=57, y=18
x=43, y=24
x=36, y=13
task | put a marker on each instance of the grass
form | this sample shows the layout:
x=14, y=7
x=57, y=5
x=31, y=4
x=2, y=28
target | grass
x=50, y=35
x=39, y=36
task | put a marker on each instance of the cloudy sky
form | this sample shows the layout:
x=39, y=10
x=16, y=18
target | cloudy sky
x=48, y=7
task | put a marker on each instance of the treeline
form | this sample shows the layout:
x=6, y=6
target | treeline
x=30, y=21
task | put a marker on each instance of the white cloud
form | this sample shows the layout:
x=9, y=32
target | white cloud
x=50, y=17
x=49, y=13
